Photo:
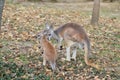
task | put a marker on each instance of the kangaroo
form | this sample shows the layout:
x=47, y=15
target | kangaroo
x=72, y=34
x=49, y=53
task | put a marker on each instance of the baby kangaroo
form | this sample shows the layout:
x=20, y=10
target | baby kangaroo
x=49, y=53
x=73, y=35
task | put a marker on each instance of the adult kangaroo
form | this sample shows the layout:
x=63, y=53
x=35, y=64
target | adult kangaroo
x=72, y=34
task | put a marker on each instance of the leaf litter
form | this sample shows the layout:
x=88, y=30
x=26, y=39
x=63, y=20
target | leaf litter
x=20, y=57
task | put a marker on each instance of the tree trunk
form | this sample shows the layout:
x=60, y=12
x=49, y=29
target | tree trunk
x=95, y=13
x=1, y=10
x=111, y=0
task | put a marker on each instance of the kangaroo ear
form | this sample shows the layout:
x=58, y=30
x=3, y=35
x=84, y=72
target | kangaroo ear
x=48, y=26
x=51, y=26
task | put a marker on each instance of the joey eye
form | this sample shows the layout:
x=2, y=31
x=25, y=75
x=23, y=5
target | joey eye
x=38, y=35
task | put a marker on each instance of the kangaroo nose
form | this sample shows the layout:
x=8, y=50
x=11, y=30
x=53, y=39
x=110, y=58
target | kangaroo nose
x=39, y=47
x=34, y=36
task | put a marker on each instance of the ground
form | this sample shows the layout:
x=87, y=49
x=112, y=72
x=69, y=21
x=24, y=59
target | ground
x=20, y=57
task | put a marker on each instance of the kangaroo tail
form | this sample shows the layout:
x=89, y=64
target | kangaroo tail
x=87, y=53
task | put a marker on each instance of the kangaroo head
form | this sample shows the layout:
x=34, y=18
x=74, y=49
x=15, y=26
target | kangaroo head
x=41, y=34
x=49, y=30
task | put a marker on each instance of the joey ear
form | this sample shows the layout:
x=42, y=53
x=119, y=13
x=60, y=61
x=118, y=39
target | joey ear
x=44, y=32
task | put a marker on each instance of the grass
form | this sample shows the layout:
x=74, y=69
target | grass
x=20, y=57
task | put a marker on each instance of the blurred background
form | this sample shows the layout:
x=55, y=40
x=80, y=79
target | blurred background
x=21, y=58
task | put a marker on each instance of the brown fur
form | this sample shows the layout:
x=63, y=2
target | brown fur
x=49, y=51
x=75, y=31
x=72, y=32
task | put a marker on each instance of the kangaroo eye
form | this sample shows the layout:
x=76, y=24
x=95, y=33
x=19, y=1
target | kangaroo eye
x=49, y=34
